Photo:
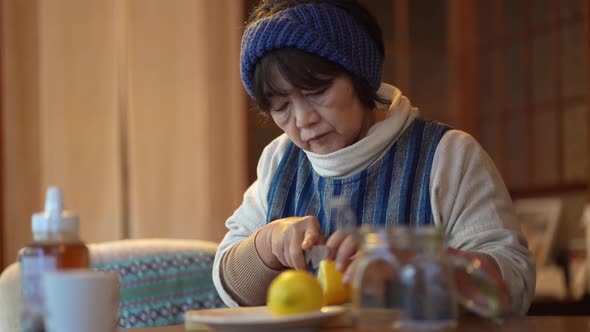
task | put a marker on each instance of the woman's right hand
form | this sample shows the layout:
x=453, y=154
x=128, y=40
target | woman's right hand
x=280, y=244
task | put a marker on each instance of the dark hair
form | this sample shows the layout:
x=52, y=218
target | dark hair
x=306, y=70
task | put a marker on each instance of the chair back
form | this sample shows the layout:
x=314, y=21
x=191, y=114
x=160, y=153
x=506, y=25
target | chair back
x=160, y=280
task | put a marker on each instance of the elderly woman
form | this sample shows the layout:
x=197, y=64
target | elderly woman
x=314, y=66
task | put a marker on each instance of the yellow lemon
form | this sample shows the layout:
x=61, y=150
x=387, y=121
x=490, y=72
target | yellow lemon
x=335, y=292
x=294, y=292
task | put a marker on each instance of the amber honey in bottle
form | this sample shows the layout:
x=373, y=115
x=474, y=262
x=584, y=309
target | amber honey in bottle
x=56, y=246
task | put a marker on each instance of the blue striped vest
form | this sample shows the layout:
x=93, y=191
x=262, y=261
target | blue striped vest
x=392, y=190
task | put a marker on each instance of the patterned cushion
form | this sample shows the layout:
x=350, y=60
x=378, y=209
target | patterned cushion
x=160, y=278
x=157, y=290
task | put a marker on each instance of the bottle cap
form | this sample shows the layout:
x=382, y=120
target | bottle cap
x=54, y=219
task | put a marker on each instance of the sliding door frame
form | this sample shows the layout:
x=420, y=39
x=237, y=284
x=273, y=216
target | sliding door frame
x=2, y=241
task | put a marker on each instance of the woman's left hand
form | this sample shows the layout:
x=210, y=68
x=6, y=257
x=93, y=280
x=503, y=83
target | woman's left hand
x=343, y=248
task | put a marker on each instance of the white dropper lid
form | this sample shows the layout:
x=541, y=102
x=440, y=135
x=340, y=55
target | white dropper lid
x=54, y=218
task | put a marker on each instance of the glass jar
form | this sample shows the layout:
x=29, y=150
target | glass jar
x=378, y=286
x=431, y=297
x=403, y=279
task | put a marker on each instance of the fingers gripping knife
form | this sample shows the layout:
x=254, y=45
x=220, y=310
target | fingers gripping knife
x=342, y=216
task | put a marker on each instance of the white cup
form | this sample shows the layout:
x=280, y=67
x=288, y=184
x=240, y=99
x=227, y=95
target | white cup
x=81, y=300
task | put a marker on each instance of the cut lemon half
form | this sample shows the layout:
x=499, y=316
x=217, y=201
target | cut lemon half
x=335, y=292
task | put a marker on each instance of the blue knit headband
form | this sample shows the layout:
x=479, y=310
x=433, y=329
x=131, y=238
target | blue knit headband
x=321, y=29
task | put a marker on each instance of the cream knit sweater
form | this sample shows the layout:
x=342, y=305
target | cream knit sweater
x=469, y=201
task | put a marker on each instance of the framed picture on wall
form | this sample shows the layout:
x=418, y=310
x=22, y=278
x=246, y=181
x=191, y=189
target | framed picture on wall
x=539, y=218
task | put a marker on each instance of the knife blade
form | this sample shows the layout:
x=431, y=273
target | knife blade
x=316, y=254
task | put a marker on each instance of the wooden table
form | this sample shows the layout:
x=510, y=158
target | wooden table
x=516, y=324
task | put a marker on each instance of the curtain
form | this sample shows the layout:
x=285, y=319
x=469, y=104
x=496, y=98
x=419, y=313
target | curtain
x=134, y=108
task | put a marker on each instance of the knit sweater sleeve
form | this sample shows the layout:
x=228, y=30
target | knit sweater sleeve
x=239, y=275
x=472, y=204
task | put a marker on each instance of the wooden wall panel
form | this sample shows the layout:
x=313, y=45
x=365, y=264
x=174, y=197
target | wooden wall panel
x=78, y=111
x=401, y=46
x=429, y=59
x=227, y=155
x=462, y=65
x=186, y=117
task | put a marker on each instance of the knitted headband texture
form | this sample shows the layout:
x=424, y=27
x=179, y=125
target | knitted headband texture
x=321, y=29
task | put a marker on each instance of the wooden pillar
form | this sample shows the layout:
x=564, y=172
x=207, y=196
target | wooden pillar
x=2, y=241
x=558, y=72
x=501, y=115
x=462, y=65
x=587, y=28
x=20, y=123
x=527, y=63
x=122, y=55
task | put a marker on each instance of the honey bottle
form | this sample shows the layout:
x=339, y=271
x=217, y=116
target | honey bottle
x=56, y=246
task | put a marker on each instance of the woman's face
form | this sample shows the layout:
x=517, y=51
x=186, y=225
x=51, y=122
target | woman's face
x=323, y=120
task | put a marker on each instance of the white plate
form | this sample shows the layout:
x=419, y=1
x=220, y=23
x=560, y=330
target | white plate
x=259, y=318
